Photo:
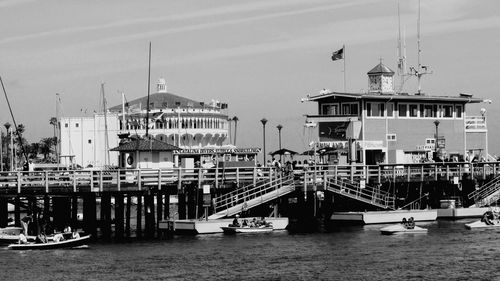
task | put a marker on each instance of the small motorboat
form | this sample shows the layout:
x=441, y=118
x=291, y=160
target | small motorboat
x=69, y=243
x=482, y=224
x=401, y=229
x=246, y=229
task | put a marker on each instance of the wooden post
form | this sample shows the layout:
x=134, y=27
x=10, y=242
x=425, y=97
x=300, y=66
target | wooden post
x=182, y=206
x=139, y=216
x=159, y=209
x=127, y=216
x=89, y=214
x=216, y=176
x=46, y=208
x=46, y=182
x=106, y=216
x=74, y=211
x=118, y=180
x=166, y=210
x=17, y=210
x=119, y=216
x=149, y=212
x=4, y=215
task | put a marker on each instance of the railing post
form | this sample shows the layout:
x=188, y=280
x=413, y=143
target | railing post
x=436, y=172
x=393, y=173
x=422, y=173
x=159, y=179
x=237, y=176
x=216, y=177
x=447, y=172
x=118, y=181
x=74, y=181
x=325, y=177
x=139, y=179
x=254, y=175
x=46, y=174
x=101, y=184
x=18, y=174
x=408, y=176
x=335, y=174
x=379, y=174
x=91, y=180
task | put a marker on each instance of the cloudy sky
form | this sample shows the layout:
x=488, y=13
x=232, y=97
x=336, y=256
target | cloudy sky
x=261, y=56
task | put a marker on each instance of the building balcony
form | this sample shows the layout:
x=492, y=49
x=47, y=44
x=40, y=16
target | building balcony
x=332, y=118
x=475, y=124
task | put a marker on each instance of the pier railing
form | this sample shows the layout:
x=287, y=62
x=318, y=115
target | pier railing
x=133, y=179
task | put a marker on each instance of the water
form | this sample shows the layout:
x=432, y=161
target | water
x=447, y=252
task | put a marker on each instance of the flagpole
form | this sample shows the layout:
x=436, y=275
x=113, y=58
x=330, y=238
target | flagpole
x=343, y=48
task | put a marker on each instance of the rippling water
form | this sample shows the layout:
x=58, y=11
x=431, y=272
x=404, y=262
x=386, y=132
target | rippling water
x=447, y=252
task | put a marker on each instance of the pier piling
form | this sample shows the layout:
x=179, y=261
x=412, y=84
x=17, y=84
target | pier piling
x=139, y=216
x=4, y=211
x=118, y=216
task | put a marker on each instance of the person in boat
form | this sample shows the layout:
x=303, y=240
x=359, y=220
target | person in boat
x=75, y=234
x=22, y=238
x=25, y=221
x=411, y=223
x=404, y=223
x=58, y=237
x=488, y=217
x=67, y=229
x=41, y=238
x=236, y=223
x=263, y=222
x=245, y=223
x=253, y=223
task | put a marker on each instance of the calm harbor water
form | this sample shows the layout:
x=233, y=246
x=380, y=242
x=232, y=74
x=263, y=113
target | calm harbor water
x=447, y=252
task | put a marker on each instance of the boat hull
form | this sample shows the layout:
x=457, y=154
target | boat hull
x=400, y=229
x=70, y=243
x=479, y=224
x=232, y=229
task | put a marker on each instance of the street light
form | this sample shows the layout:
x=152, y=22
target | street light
x=264, y=121
x=235, y=119
x=7, y=126
x=279, y=137
x=436, y=138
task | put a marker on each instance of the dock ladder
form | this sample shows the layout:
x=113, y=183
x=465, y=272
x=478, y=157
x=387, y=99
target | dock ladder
x=487, y=194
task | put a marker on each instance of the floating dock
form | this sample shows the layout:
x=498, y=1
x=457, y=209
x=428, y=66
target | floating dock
x=212, y=226
x=461, y=213
x=375, y=217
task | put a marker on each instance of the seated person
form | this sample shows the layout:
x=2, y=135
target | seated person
x=75, y=234
x=404, y=222
x=245, y=223
x=58, y=237
x=488, y=218
x=411, y=223
x=41, y=238
x=235, y=221
x=67, y=229
x=22, y=238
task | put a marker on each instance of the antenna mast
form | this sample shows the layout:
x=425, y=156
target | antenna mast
x=421, y=69
x=149, y=86
x=106, y=140
x=401, y=55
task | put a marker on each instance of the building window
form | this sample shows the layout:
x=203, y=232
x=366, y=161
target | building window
x=66, y=125
x=76, y=125
x=413, y=110
x=428, y=110
x=458, y=111
x=90, y=141
x=390, y=109
x=375, y=109
x=430, y=141
x=447, y=111
x=349, y=109
x=330, y=109
x=402, y=108
x=391, y=137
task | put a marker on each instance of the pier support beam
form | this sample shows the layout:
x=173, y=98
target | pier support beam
x=149, y=213
x=61, y=212
x=105, y=223
x=4, y=211
x=74, y=212
x=182, y=206
x=90, y=214
x=138, y=232
x=166, y=210
x=17, y=210
x=127, y=215
x=119, y=216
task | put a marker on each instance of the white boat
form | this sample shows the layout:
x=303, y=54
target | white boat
x=481, y=224
x=401, y=229
x=247, y=229
x=69, y=243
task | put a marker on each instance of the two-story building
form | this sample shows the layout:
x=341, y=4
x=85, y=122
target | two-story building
x=384, y=126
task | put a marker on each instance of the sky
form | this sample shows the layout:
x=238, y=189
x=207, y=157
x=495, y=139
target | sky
x=261, y=57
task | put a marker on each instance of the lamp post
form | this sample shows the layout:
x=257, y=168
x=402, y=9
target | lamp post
x=264, y=121
x=235, y=119
x=279, y=138
x=7, y=127
x=436, y=123
x=483, y=114
x=1, y=151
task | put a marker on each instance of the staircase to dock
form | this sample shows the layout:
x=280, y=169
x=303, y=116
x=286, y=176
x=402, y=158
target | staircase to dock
x=364, y=193
x=487, y=194
x=251, y=196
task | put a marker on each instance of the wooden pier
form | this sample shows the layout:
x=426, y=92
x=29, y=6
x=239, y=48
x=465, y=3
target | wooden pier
x=109, y=200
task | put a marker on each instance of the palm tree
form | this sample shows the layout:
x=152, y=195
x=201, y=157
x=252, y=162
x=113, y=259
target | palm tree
x=46, y=147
